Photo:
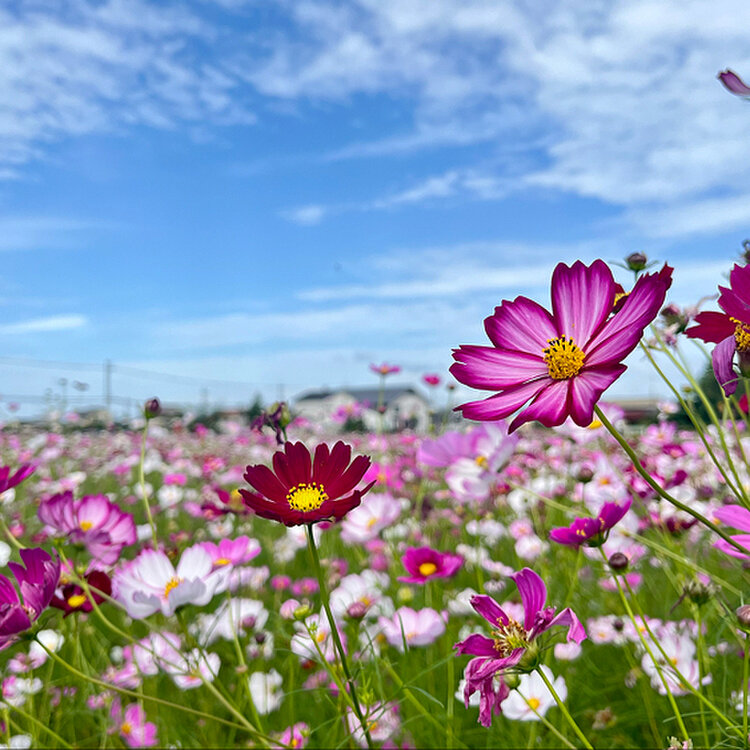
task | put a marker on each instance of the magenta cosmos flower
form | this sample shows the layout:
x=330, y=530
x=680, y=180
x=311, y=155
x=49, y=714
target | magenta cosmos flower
x=561, y=362
x=92, y=521
x=425, y=563
x=37, y=583
x=385, y=369
x=738, y=518
x=592, y=532
x=303, y=489
x=733, y=83
x=8, y=480
x=729, y=330
x=510, y=640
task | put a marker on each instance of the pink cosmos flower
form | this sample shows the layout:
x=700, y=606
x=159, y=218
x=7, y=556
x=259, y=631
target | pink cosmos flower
x=132, y=725
x=415, y=628
x=510, y=640
x=7, y=481
x=591, y=531
x=150, y=583
x=93, y=521
x=383, y=723
x=729, y=330
x=366, y=521
x=431, y=380
x=424, y=564
x=385, y=369
x=37, y=583
x=232, y=551
x=733, y=83
x=561, y=362
x=295, y=736
x=738, y=518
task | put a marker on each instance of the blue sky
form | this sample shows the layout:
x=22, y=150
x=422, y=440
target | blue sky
x=281, y=192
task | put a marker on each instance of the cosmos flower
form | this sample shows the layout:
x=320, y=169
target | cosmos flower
x=385, y=369
x=511, y=640
x=365, y=522
x=416, y=628
x=72, y=597
x=93, y=521
x=8, y=480
x=733, y=83
x=132, y=725
x=431, y=380
x=532, y=699
x=37, y=583
x=150, y=583
x=424, y=563
x=560, y=362
x=738, y=518
x=591, y=531
x=305, y=490
x=729, y=330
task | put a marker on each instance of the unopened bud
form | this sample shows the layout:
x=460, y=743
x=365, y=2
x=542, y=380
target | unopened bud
x=698, y=592
x=405, y=595
x=618, y=562
x=585, y=475
x=743, y=615
x=303, y=611
x=512, y=680
x=356, y=610
x=152, y=408
x=636, y=261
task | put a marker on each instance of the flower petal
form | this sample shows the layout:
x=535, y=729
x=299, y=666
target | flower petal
x=550, y=407
x=735, y=516
x=586, y=389
x=576, y=631
x=582, y=298
x=721, y=359
x=489, y=609
x=502, y=404
x=477, y=645
x=494, y=369
x=520, y=325
x=533, y=594
x=712, y=327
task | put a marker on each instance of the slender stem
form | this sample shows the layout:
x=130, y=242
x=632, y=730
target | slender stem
x=552, y=728
x=142, y=480
x=58, y=740
x=659, y=490
x=745, y=662
x=565, y=712
x=701, y=670
x=153, y=699
x=335, y=632
x=10, y=536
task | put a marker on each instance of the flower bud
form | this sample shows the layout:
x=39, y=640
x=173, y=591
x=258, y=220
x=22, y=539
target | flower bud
x=302, y=612
x=405, y=595
x=152, y=408
x=699, y=593
x=585, y=475
x=356, y=610
x=618, y=562
x=636, y=261
x=512, y=680
x=743, y=616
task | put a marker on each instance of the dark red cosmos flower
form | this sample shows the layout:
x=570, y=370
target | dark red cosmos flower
x=302, y=489
x=73, y=598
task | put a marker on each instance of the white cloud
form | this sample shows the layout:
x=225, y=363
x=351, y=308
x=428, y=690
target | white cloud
x=49, y=324
x=35, y=232
x=306, y=215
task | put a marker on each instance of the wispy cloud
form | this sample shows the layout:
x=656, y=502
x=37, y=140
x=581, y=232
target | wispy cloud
x=39, y=232
x=49, y=324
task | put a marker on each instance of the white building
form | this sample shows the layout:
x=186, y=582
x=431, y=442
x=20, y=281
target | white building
x=405, y=408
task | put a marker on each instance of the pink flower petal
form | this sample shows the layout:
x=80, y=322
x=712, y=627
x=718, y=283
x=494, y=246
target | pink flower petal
x=533, y=594
x=521, y=325
x=550, y=407
x=503, y=404
x=586, y=389
x=721, y=358
x=494, y=369
x=735, y=516
x=582, y=298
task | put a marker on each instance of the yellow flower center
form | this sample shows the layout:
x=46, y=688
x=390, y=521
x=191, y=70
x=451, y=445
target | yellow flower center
x=595, y=425
x=222, y=561
x=85, y=525
x=534, y=703
x=564, y=359
x=427, y=569
x=306, y=497
x=76, y=601
x=125, y=728
x=510, y=636
x=741, y=335
x=172, y=583
x=481, y=461
x=371, y=522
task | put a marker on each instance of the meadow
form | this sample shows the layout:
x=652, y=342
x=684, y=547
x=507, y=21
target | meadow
x=491, y=584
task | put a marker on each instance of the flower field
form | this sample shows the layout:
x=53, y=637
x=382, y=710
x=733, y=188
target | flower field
x=574, y=585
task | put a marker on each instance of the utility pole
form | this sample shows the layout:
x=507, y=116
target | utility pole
x=108, y=385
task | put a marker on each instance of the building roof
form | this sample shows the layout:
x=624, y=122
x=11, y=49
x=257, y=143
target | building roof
x=363, y=395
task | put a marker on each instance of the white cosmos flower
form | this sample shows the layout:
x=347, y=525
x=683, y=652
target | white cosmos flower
x=533, y=696
x=265, y=688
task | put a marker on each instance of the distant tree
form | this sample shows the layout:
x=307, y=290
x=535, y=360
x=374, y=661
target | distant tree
x=255, y=409
x=711, y=388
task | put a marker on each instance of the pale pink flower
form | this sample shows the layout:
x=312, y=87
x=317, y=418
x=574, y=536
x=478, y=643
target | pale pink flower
x=414, y=628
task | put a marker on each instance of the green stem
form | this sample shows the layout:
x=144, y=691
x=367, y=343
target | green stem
x=552, y=728
x=58, y=740
x=745, y=662
x=10, y=536
x=638, y=466
x=335, y=632
x=142, y=480
x=563, y=708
